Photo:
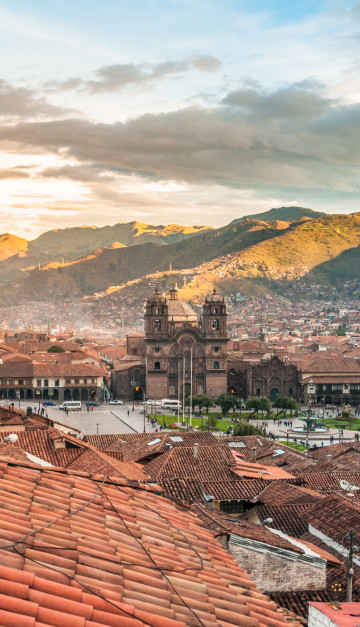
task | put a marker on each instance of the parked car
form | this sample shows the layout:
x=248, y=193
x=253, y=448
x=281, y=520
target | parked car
x=92, y=403
x=49, y=403
x=115, y=401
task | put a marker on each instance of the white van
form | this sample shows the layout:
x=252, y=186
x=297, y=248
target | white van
x=71, y=406
x=170, y=403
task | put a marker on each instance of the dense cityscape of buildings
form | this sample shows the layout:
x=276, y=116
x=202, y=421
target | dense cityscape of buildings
x=224, y=530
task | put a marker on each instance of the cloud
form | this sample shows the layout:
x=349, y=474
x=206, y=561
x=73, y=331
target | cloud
x=18, y=102
x=118, y=76
x=293, y=137
x=18, y=172
x=301, y=100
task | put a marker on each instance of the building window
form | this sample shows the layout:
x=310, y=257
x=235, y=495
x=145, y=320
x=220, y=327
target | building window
x=291, y=391
x=216, y=365
x=57, y=383
x=157, y=365
x=232, y=507
x=157, y=325
x=21, y=382
x=215, y=325
x=258, y=392
x=38, y=383
x=157, y=349
x=216, y=349
x=67, y=381
x=76, y=380
x=46, y=382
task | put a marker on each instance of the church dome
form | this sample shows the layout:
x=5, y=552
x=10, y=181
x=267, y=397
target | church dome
x=179, y=310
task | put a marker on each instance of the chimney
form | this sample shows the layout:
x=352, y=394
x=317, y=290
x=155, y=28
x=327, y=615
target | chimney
x=196, y=446
x=254, y=451
x=28, y=411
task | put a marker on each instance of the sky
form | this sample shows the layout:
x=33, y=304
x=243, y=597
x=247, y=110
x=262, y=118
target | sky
x=184, y=111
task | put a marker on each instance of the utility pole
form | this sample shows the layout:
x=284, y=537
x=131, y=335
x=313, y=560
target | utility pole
x=350, y=566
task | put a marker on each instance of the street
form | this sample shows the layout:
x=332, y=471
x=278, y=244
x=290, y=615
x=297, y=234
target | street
x=103, y=419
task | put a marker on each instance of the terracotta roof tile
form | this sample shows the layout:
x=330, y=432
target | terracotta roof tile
x=91, y=564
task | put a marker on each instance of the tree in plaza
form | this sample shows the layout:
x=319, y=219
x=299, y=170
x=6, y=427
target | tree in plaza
x=245, y=428
x=225, y=401
x=254, y=404
x=212, y=421
x=265, y=405
x=292, y=405
x=201, y=401
x=284, y=402
x=206, y=402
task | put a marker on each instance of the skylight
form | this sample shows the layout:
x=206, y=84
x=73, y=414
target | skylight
x=153, y=442
x=236, y=444
x=176, y=438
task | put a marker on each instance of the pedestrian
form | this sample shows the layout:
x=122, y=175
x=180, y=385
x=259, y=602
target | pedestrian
x=128, y=413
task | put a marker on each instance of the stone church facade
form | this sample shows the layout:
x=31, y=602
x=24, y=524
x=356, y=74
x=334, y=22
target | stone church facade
x=180, y=354
x=184, y=354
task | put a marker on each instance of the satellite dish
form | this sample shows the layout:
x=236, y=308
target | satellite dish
x=345, y=485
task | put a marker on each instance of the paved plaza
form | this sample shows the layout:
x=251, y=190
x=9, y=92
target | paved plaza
x=123, y=419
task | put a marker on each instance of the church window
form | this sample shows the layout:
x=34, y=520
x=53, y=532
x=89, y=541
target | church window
x=157, y=349
x=157, y=365
x=157, y=311
x=258, y=392
x=216, y=365
x=215, y=324
x=216, y=349
x=157, y=325
x=291, y=391
x=214, y=310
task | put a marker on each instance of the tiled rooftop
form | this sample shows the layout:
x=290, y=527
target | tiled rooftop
x=287, y=518
x=193, y=490
x=281, y=493
x=81, y=551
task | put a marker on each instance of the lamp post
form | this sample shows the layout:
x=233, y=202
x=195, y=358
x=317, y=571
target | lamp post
x=38, y=394
x=133, y=394
x=145, y=410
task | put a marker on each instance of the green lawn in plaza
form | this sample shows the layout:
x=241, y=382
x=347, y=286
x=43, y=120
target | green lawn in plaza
x=341, y=423
x=297, y=447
